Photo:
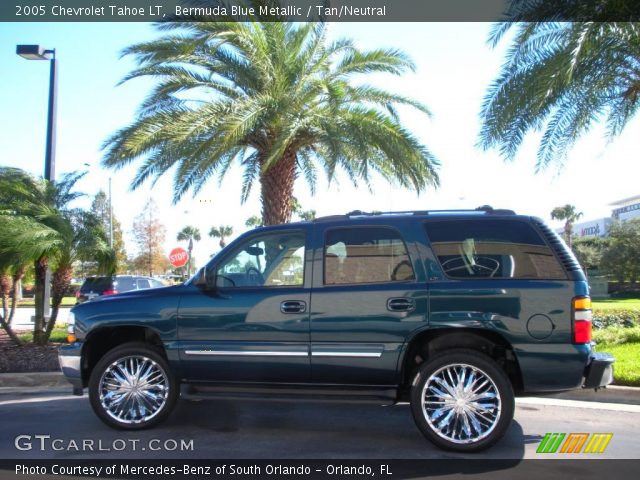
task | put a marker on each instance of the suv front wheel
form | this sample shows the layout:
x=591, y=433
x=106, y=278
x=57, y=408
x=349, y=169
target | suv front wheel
x=132, y=387
x=462, y=401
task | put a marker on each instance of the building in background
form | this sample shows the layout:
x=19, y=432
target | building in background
x=626, y=209
x=591, y=228
x=623, y=210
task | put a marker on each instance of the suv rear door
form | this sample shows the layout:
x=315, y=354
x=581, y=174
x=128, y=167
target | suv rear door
x=368, y=294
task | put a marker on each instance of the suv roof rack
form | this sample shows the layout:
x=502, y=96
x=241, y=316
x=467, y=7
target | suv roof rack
x=484, y=210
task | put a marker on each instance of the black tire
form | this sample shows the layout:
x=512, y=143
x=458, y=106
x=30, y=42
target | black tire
x=429, y=417
x=155, y=360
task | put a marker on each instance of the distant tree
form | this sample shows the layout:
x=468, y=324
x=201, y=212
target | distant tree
x=100, y=207
x=189, y=234
x=296, y=209
x=254, y=221
x=622, y=256
x=301, y=213
x=570, y=215
x=149, y=235
x=222, y=232
x=589, y=251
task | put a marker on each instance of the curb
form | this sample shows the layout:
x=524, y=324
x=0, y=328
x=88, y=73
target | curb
x=29, y=382
x=610, y=394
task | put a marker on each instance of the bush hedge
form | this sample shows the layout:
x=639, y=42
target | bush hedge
x=617, y=335
x=615, y=318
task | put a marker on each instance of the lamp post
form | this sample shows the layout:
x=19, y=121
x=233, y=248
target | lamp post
x=110, y=217
x=36, y=52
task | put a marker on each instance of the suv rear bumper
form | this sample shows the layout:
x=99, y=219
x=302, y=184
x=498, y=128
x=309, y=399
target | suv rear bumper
x=599, y=370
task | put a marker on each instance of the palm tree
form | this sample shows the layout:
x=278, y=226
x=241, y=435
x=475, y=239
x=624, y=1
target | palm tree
x=274, y=97
x=189, y=234
x=570, y=215
x=39, y=225
x=561, y=78
x=221, y=232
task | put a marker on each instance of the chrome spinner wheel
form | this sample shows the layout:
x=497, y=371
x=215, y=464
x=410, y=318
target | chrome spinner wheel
x=461, y=403
x=133, y=389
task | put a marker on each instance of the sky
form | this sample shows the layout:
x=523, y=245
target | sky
x=454, y=67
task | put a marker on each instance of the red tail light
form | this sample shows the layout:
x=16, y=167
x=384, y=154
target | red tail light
x=110, y=292
x=582, y=316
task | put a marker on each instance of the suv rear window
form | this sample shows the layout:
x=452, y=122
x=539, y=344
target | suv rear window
x=97, y=284
x=492, y=249
x=365, y=255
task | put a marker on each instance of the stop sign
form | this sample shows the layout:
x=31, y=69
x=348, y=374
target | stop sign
x=178, y=257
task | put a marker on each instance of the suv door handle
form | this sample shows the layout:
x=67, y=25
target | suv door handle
x=401, y=304
x=293, y=306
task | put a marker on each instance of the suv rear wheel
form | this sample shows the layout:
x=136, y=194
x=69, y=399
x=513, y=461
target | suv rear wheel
x=132, y=387
x=462, y=401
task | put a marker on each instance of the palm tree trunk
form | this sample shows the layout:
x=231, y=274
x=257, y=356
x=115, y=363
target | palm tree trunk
x=12, y=335
x=5, y=290
x=18, y=275
x=40, y=277
x=568, y=230
x=59, y=284
x=277, y=190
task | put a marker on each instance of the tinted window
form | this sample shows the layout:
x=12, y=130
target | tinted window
x=269, y=260
x=492, y=249
x=97, y=284
x=365, y=255
x=143, y=283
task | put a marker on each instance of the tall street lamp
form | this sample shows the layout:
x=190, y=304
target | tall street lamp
x=36, y=52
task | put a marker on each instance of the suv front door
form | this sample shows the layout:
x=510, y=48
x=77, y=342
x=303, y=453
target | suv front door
x=254, y=327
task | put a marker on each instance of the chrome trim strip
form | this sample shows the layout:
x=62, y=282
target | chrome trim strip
x=347, y=354
x=249, y=353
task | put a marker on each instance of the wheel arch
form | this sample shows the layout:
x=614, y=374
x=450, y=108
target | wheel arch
x=427, y=343
x=101, y=340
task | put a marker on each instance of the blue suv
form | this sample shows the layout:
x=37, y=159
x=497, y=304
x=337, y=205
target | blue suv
x=456, y=312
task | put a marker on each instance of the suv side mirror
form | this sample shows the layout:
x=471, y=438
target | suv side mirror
x=206, y=278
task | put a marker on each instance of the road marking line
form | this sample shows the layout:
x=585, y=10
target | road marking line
x=38, y=399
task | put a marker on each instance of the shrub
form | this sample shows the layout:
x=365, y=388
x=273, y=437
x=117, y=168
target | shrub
x=615, y=318
x=617, y=335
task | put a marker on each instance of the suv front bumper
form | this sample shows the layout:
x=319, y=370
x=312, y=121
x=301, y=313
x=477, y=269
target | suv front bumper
x=599, y=370
x=69, y=357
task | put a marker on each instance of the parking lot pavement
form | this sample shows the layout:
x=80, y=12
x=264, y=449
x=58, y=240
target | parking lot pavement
x=256, y=429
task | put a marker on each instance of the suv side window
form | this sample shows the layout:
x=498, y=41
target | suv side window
x=124, y=284
x=472, y=248
x=365, y=255
x=268, y=260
